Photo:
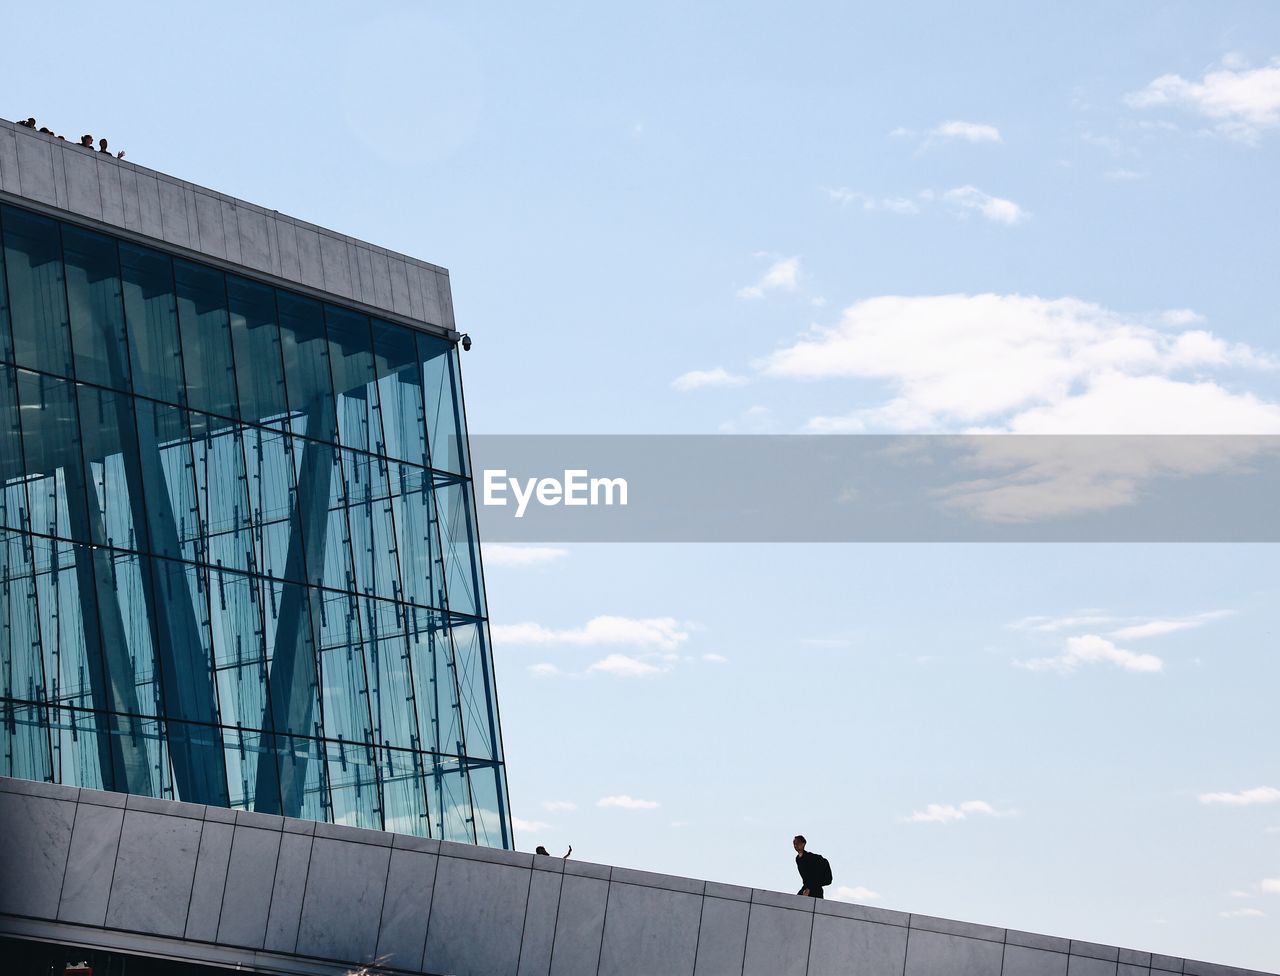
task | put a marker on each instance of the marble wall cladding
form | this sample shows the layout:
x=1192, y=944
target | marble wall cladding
x=652, y=930
x=343, y=901
x=86, y=885
x=179, y=871
x=471, y=897
x=840, y=946
x=246, y=897
x=579, y=926
x=36, y=833
x=155, y=867
x=106, y=190
x=935, y=954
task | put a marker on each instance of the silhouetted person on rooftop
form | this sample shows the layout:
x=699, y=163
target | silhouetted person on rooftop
x=815, y=872
x=86, y=141
x=102, y=147
x=545, y=853
x=29, y=123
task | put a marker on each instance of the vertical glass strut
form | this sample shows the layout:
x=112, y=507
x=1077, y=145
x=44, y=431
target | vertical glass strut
x=238, y=555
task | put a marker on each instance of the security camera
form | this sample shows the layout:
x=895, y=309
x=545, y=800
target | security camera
x=466, y=342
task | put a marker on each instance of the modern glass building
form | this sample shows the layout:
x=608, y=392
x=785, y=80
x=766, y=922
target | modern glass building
x=238, y=552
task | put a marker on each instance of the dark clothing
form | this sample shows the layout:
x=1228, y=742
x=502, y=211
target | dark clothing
x=810, y=868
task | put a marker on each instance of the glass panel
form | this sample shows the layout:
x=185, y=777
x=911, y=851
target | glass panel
x=475, y=681
x=490, y=815
x=306, y=366
x=37, y=295
x=444, y=419
x=256, y=342
x=111, y=468
x=222, y=519
x=402, y=786
x=51, y=443
x=351, y=358
x=391, y=699
x=96, y=309
x=457, y=534
x=6, y=336
x=152, y=318
x=399, y=395
x=13, y=498
x=206, y=339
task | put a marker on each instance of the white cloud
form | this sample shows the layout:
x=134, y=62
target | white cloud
x=501, y=554
x=1271, y=886
x=1158, y=628
x=544, y=669
x=1181, y=317
x=950, y=813
x=872, y=203
x=1024, y=364
x=967, y=131
x=715, y=658
x=622, y=666
x=995, y=209
x=558, y=806
x=663, y=632
x=1245, y=798
x=698, y=379
x=530, y=826
x=782, y=275
x=624, y=802
x=858, y=894
x=1242, y=101
x=1092, y=649
x=1243, y=913
x=1238, y=894
x=1124, y=175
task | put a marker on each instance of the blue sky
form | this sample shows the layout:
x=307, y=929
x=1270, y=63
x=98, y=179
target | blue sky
x=745, y=217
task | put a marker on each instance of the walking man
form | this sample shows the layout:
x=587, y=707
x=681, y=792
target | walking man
x=815, y=870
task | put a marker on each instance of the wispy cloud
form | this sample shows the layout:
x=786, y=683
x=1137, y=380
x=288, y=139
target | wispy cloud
x=663, y=632
x=625, y=802
x=1158, y=628
x=1271, y=886
x=1245, y=798
x=623, y=666
x=558, y=806
x=951, y=813
x=1093, y=649
x=961, y=201
x=858, y=894
x=958, y=129
x=1242, y=101
x=782, y=275
x=715, y=658
x=1086, y=618
x=504, y=555
x=871, y=202
x=698, y=379
x=1243, y=913
x=995, y=209
x=544, y=669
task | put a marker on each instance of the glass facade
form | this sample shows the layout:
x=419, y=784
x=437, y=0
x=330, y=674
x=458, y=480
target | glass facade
x=237, y=546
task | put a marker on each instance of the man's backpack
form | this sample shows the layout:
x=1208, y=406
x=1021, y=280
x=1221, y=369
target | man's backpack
x=824, y=870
